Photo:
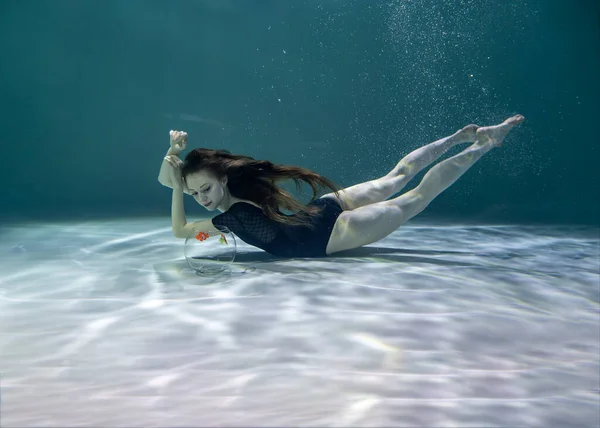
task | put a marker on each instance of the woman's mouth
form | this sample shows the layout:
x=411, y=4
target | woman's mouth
x=206, y=205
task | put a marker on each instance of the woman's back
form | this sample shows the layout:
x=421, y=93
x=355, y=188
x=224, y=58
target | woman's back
x=253, y=227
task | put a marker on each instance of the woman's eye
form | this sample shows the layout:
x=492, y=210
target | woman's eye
x=207, y=189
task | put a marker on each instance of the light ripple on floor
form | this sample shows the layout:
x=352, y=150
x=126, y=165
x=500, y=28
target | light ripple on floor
x=103, y=324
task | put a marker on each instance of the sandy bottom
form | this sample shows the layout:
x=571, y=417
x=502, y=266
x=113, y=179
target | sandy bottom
x=104, y=324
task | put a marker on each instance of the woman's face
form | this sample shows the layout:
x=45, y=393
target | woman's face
x=206, y=189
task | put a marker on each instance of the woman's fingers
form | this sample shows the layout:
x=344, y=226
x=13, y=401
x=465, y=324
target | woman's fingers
x=174, y=161
x=178, y=136
x=171, y=160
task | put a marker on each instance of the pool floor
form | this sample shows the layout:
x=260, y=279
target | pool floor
x=105, y=324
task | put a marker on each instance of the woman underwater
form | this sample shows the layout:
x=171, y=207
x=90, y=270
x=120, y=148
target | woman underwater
x=245, y=190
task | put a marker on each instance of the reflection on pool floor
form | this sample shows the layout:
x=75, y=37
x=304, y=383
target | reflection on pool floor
x=433, y=326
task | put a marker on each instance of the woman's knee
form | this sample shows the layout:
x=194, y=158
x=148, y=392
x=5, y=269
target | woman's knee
x=406, y=169
x=412, y=203
x=393, y=184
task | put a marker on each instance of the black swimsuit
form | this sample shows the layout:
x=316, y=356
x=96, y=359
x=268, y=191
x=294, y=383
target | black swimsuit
x=252, y=226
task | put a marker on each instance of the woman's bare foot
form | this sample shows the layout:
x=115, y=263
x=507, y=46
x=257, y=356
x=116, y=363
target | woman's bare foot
x=467, y=134
x=495, y=134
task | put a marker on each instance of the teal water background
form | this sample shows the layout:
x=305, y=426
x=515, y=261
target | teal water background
x=103, y=323
x=90, y=89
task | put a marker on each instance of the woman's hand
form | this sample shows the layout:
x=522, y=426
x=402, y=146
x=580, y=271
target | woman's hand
x=174, y=172
x=167, y=176
x=170, y=173
x=178, y=141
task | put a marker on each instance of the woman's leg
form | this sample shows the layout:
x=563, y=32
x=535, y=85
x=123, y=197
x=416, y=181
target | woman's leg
x=385, y=187
x=373, y=222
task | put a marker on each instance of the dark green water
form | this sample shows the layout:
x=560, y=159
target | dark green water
x=90, y=89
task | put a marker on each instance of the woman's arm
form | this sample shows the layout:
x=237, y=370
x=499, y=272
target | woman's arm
x=181, y=228
x=178, y=141
x=163, y=174
x=178, y=220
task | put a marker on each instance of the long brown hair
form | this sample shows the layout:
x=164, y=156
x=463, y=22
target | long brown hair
x=256, y=180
